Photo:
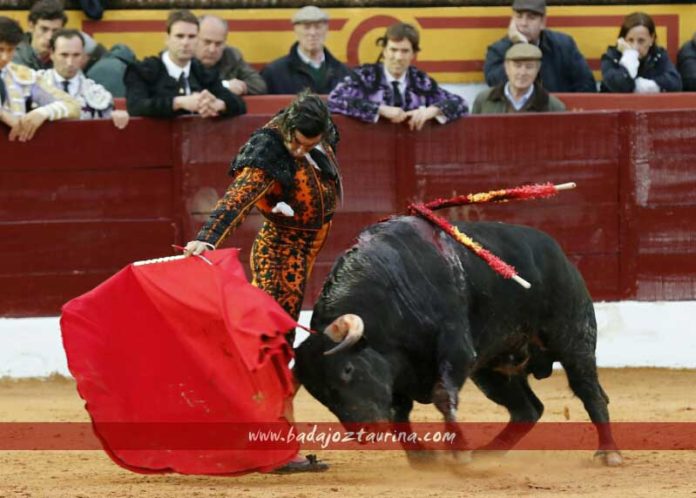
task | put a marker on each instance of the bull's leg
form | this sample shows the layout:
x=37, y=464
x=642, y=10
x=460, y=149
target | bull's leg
x=456, y=356
x=582, y=376
x=514, y=394
x=416, y=453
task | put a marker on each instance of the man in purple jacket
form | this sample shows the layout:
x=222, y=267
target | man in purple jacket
x=394, y=89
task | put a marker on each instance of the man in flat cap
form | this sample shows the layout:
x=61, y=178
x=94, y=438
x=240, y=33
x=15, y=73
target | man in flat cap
x=564, y=69
x=522, y=92
x=309, y=64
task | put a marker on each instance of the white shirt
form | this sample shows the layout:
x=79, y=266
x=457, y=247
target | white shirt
x=175, y=71
x=401, y=80
x=73, y=84
x=305, y=58
x=518, y=104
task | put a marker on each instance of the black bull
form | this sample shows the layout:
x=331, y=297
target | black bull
x=415, y=314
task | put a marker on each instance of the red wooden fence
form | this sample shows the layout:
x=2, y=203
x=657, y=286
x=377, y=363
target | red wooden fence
x=84, y=199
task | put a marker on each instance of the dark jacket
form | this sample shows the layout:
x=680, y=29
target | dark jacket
x=686, y=63
x=563, y=68
x=494, y=101
x=289, y=75
x=655, y=66
x=150, y=90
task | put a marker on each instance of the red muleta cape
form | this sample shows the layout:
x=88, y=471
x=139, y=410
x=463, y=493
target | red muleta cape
x=176, y=360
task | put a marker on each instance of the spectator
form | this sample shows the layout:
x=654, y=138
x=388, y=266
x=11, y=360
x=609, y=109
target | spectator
x=309, y=63
x=686, y=62
x=175, y=83
x=25, y=102
x=237, y=76
x=68, y=55
x=110, y=69
x=45, y=18
x=394, y=89
x=636, y=63
x=522, y=92
x=563, y=68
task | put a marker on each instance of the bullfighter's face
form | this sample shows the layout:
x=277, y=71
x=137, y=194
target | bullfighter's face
x=300, y=145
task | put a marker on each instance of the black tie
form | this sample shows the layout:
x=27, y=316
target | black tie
x=66, y=86
x=183, y=84
x=3, y=92
x=398, y=99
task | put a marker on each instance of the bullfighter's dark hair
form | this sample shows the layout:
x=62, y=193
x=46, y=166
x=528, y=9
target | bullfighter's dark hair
x=307, y=114
x=638, y=19
x=181, y=15
x=47, y=10
x=10, y=31
x=66, y=33
x=401, y=31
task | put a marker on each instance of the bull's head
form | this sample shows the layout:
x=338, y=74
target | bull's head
x=344, y=373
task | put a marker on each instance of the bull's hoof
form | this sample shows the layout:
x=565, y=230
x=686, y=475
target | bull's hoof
x=610, y=458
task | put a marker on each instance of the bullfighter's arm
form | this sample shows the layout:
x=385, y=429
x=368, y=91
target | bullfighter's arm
x=246, y=189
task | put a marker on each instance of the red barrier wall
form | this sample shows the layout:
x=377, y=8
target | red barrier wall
x=83, y=199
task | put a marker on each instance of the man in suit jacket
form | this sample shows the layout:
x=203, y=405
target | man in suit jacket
x=175, y=83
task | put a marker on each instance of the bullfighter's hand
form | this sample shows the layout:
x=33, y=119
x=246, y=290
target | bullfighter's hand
x=120, y=119
x=195, y=247
x=514, y=34
x=393, y=114
x=418, y=117
x=238, y=87
x=27, y=125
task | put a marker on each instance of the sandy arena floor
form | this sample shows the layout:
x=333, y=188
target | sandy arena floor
x=638, y=395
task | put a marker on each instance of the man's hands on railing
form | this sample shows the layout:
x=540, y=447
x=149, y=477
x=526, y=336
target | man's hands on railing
x=120, y=119
x=203, y=103
x=24, y=128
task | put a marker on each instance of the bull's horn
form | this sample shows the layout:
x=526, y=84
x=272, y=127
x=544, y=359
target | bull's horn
x=346, y=330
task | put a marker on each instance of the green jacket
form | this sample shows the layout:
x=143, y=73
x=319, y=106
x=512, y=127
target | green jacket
x=493, y=101
x=25, y=55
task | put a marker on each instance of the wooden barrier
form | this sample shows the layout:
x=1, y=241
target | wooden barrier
x=84, y=199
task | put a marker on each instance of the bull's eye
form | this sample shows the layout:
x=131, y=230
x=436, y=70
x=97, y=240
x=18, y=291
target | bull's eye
x=347, y=372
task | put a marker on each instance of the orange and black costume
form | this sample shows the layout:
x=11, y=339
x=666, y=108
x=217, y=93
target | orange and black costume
x=264, y=175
